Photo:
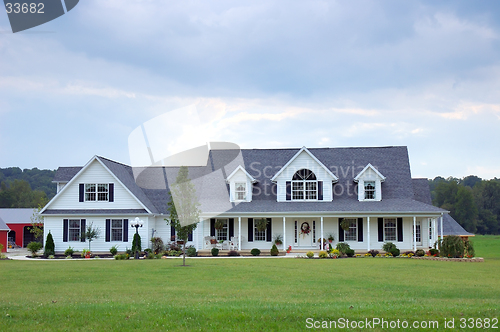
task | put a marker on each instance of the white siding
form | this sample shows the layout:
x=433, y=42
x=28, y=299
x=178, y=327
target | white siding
x=303, y=160
x=55, y=226
x=95, y=173
x=369, y=175
x=238, y=177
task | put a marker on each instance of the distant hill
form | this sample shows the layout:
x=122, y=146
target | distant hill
x=38, y=179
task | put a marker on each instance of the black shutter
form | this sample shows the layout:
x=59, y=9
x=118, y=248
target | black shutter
x=125, y=230
x=108, y=230
x=82, y=192
x=231, y=228
x=341, y=231
x=111, y=189
x=190, y=236
x=400, y=229
x=65, y=230
x=320, y=190
x=82, y=229
x=212, y=227
x=250, y=229
x=360, y=229
x=172, y=233
x=268, y=232
x=380, y=229
x=289, y=190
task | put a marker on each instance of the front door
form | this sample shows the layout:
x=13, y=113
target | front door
x=306, y=232
x=418, y=236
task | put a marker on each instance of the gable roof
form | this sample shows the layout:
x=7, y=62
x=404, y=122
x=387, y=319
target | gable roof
x=244, y=171
x=382, y=178
x=122, y=173
x=452, y=227
x=151, y=184
x=3, y=226
x=421, y=191
x=65, y=174
x=16, y=215
x=304, y=149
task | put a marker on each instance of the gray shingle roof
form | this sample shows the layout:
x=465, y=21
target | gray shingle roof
x=3, y=226
x=150, y=185
x=64, y=174
x=422, y=191
x=16, y=215
x=452, y=227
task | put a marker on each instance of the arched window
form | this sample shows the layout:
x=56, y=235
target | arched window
x=304, y=185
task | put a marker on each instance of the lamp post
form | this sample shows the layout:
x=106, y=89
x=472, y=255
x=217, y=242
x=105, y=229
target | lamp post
x=136, y=223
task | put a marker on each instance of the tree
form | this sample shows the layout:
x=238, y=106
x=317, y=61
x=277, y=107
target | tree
x=136, y=245
x=183, y=208
x=50, y=247
x=91, y=234
x=470, y=181
x=37, y=223
x=465, y=209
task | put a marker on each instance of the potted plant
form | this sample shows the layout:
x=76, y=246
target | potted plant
x=219, y=224
x=289, y=249
x=330, y=238
x=320, y=244
x=261, y=224
x=278, y=239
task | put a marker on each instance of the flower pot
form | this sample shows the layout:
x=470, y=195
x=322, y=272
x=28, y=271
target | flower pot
x=87, y=255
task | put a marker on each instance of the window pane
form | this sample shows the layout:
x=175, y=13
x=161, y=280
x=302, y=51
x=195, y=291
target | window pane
x=390, y=229
x=352, y=233
x=221, y=234
x=369, y=189
x=74, y=230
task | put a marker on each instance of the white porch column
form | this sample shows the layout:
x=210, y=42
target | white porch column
x=441, y=226
x=284, y=235
x=435, y=229
x=415, y=233
x=321, y=241
x=368, y=233
x=200, y=234
x=239, y=233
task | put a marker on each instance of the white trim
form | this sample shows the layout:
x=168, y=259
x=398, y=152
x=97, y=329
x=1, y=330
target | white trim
x=335, y=178
x=382, y=178
x=252, y=179
x=80, y=173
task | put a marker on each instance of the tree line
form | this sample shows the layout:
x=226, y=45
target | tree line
x=28, y=188
x=473, y=202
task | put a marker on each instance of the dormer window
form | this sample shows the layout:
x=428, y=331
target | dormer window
x=241, y=191
x=304, y=185
x=96, y=192
x=369, y=189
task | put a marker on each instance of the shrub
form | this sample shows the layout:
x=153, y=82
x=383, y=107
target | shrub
x=49, y=246
x=215, y=252
x=434, y=252
x=323, y=254
x=69, y=257
x=233, y=253
x=469, y=248
x=419, y=252
x=51, y=257
x=350, y=252
x=395, y=252
x=114, y=250
x=343, y=247
x=274, y=250
x=33, y=247
x=136, y=243
x=454, y=246
x=334, y=253
x=173, y=246
x=388, y=246
x=310, y=254
x=191, y=251
x=157, y=245
x=122, y=256
x=373, y=252
x=69, y=252
x=255, y=252
x=129, y=252
x=150, y=255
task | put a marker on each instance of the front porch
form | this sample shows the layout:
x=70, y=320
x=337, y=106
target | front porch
x=302, y=233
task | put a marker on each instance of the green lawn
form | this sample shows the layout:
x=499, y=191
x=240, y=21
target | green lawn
x=247, y=294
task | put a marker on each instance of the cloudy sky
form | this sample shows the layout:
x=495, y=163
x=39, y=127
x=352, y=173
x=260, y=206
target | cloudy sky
x=424, y=74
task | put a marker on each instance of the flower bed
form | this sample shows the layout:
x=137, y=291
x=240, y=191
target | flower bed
x=431, y=258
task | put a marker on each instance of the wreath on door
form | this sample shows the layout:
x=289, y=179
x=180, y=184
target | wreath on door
x=305, y=228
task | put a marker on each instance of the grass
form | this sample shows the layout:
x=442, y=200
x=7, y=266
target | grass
x=244, y=294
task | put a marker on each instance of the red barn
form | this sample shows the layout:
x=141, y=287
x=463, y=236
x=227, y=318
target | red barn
x=19, y=223
x=3, y=235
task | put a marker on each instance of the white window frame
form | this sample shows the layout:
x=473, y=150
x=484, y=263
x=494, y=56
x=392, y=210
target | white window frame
x=114, y=237
x=352, y=233
x=223, y=234
x=301, y=190
x=418, y=235
x=74, y=230
x=240, y=194
x=259, y=236
x=373, y=191
x=386, y=229
x=96, y=192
